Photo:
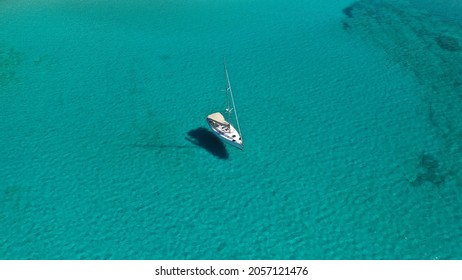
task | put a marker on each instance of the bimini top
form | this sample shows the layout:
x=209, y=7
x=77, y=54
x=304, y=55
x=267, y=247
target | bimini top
x=218, y=117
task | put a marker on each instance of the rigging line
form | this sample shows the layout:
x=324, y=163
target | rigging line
x=227, y=86
x=232, y=99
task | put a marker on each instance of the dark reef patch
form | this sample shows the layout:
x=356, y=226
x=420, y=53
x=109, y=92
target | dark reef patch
x=348, y=11
x=448, y=43
x=429, y=162
x=430, y=171
x=345, y=26
x=430, y=48
x=9, y=61
x=428, y=165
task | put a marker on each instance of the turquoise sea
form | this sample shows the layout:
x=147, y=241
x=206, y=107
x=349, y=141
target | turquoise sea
x=350, y=113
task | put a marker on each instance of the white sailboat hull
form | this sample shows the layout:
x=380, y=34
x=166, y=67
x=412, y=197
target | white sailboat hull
x=226, y=132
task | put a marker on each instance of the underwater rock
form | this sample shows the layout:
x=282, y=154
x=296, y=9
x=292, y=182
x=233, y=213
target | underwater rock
x=448, y=43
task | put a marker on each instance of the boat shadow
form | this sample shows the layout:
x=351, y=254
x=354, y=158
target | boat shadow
x=205, y=139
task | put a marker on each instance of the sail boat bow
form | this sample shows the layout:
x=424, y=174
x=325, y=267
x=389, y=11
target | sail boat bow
x=223, y=128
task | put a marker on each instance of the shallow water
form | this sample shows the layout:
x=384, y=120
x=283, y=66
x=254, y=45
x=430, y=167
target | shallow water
x=349, y=154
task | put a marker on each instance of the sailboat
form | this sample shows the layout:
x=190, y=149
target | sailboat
x=222, y=127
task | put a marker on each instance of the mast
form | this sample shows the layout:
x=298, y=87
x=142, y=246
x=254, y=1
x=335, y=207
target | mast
x=230, y=92
x=228, y=88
